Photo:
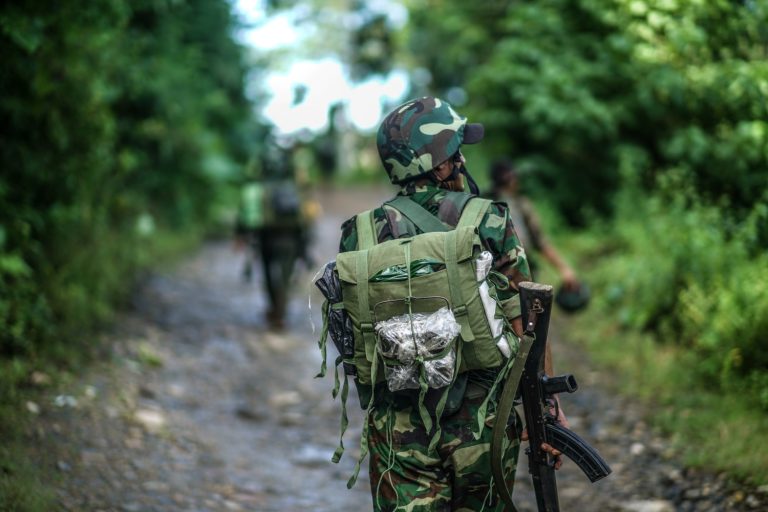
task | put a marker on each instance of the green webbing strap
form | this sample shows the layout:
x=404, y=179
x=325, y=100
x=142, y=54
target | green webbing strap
x=344, y=419
x=482, y=411
x=366, y=236
x=323, y=341
x=366, y=321
x=443, y=399
x=502, y=417
x=417, y=214
x=473, y=212
x=366, y=419
x=458, y=305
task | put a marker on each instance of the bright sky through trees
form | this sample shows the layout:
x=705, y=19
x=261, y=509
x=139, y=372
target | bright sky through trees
x=325, y=81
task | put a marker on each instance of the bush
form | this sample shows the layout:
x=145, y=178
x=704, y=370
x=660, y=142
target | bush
x=692, y=274
x=125, y=120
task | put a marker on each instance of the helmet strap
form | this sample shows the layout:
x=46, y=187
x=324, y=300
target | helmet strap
x=454, y=174
x=470, y=181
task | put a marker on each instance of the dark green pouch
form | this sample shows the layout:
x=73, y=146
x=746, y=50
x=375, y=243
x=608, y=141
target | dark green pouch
x=455, y=395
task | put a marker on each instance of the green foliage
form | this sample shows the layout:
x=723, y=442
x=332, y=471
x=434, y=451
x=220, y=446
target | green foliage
x=695, y=277
x=124, y=120
x=21, y=488
x=569, y=87
x=123, y=124
x=678, y=315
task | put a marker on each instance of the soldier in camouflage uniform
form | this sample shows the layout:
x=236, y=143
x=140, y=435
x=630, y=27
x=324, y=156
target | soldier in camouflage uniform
x=419, y=145
x=506, y=188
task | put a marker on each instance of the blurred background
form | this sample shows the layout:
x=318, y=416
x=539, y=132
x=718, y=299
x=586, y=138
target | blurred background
x=638, y=127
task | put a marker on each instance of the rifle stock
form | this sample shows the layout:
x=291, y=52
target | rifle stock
x=538, y=390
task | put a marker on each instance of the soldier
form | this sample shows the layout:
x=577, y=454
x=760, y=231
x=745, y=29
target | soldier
x=272, y=222
x=419, y=144
x=506, y=188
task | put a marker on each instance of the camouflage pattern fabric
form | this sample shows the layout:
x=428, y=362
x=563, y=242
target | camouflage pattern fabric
x=456, y=476
x=417, y=136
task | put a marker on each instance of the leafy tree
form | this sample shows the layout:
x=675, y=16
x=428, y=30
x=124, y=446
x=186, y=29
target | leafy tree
x=121, y=117
x=587, y=91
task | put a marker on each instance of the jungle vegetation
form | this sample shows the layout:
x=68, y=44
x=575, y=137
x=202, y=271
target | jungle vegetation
x=641, y=126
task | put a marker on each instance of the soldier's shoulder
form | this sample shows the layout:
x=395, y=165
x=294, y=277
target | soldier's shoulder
x=495, y=216
x=349, y=223
x=495, y=207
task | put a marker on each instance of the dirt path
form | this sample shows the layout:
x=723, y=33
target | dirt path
x=198, y=407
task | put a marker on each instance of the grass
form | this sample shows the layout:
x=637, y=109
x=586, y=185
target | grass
x=22, y=482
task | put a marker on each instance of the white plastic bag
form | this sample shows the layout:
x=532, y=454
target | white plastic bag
x=483, y=265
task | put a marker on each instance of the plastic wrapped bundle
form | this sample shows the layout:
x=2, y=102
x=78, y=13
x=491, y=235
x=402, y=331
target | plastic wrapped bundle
x=401, y=377
x=339, y=323
x=483, y=265
x=421, y=336
x=440, y=371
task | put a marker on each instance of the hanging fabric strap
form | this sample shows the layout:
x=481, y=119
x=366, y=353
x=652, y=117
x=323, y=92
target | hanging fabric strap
x=473, y=212
x=458, y=306
x=344, y=419
x=366, y=422
x=323, y=341
x=366, y=320
x=498, y=436
x=425, y=221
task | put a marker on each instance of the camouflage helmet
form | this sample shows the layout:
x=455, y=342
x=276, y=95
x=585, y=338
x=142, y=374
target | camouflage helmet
x=419, y=135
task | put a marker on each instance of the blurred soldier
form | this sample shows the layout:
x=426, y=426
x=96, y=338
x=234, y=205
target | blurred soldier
x=506, y=188
x=419, y=144
x=271, y=221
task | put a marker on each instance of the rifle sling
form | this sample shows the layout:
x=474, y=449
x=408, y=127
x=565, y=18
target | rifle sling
x=502, y=417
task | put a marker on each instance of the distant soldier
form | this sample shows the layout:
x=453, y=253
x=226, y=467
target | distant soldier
x=506, y=188
x=271, y=220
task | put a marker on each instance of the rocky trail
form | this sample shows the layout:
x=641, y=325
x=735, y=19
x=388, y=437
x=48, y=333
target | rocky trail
x=197, y=406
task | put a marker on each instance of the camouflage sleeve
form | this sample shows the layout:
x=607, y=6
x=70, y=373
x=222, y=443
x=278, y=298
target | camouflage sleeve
x=498, y=235
x=349, y=230
x=348, y=240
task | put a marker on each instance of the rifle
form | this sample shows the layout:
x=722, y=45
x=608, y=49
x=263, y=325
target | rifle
x=538, y=390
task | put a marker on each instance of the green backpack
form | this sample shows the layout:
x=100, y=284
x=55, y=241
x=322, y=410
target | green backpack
x=269, y=204
x=250, y=213
x=407, y=276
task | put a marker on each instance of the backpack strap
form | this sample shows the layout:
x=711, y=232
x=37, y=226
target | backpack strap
x=366, y=238
x=473, y=212
x=366, y=231
x=459, y=306
x=417, y=214
x=366, y=319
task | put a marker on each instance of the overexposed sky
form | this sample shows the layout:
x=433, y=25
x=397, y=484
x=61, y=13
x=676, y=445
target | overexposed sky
x=326, y=80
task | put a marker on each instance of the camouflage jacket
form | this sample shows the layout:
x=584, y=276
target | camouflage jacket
x=496, y=230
